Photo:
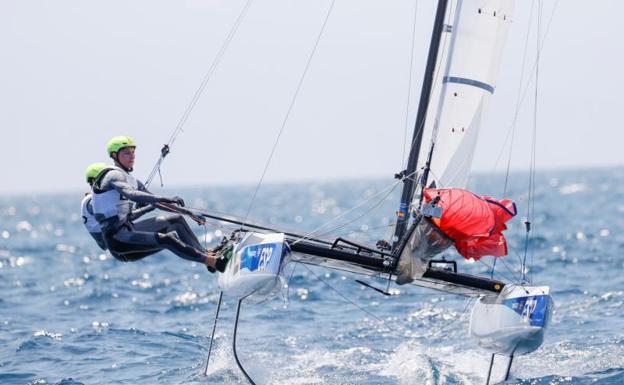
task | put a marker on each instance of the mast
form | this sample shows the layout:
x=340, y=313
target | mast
x=408, y=183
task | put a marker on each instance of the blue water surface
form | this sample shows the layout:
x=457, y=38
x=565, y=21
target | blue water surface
x=70, y=314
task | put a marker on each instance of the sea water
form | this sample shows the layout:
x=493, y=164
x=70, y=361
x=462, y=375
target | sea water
x=71, y=314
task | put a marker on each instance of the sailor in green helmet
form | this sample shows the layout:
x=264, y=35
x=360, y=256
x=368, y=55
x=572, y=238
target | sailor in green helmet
x=115, y=189
x=86, y=206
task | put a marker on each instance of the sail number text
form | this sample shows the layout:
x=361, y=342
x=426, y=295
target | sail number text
x=265, y=257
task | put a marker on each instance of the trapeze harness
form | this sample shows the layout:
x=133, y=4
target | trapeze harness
x=113, y=194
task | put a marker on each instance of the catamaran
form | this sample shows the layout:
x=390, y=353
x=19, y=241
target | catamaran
x=435, y=212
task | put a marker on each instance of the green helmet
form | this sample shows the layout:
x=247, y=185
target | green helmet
x=94, y=170
x=119, y=142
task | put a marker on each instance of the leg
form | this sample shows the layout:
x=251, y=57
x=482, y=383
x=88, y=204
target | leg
x=171, y=242
x=127, y=248
x=129, y=244
x=166, y=224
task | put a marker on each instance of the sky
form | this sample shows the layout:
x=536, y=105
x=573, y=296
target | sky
x=75, y=73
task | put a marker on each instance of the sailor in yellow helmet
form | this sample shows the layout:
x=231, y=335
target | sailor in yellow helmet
x=115, y=189
x=86, y=206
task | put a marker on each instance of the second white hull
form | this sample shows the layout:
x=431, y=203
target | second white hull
x=513, y=322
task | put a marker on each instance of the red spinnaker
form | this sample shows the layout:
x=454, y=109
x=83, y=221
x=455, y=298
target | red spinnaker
x=474, y=223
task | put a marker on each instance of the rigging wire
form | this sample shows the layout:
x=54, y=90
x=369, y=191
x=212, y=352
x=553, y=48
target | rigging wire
x=419, y=129
x=409, y=83
x=436, y=76
x=499, y=273
x=529, y=80
x=531, y=202
x=347, y=299
x=469, y=301
x=390, y=225
x=379, y=319
x=541, y=41
x=314, y=233
x=213, y=66
x=386, y=191
x=517, y=253
x=286, y=297
x=290, y=107
x=510, y=268
x=517, y=109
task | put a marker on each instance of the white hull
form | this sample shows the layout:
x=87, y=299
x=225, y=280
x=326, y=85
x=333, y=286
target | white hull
x=513, y=322
x=256, y=269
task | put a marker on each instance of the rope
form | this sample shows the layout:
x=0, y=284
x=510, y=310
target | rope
x=290, y=107
x=198, y=92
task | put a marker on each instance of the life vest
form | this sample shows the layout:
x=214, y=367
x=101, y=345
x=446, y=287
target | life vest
x=110, y=207
x=91, y=224
x=88, y=216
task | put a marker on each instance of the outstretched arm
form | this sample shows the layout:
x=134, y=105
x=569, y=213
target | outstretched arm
x=139, y=212
x=114, y=179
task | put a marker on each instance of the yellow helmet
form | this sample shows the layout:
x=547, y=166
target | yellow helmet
x=94, y=170
x=119, y=142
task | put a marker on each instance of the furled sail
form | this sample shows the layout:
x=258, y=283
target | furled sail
x=470, y=68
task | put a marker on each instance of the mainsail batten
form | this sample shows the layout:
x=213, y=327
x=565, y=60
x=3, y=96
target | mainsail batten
x=479, y=31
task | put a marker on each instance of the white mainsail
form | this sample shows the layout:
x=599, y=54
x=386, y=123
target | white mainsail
x=467, y=67
x=469, y=62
